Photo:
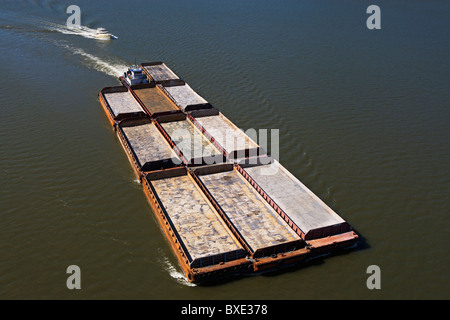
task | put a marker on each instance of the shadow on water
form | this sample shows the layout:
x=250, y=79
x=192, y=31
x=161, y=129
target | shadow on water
x=362, y=243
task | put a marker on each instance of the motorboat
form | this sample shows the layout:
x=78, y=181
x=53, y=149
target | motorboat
x=102, y=34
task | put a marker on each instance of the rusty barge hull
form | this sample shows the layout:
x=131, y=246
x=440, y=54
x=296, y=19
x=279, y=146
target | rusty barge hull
x=220, y=214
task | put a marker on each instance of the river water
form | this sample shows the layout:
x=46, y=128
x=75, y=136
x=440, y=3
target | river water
x=363, y=118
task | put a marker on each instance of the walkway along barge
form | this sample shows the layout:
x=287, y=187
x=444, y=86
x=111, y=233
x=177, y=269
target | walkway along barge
x=225, y=206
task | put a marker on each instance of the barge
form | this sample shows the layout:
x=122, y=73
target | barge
x=225, y=206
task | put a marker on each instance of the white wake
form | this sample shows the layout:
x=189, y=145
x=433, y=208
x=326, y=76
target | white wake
x=110, y=67
x=175, y=274
x=82, y=31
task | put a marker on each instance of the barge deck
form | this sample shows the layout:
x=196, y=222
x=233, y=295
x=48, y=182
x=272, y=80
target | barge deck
x=205, y=238
x=222, y=213
x=120, y=104
x=235, y=142
x=158, y=72
x=150, y=149
x=185, y=97
x=196, y=148
x=313, y=218
x=154, y=100
x=263, y=231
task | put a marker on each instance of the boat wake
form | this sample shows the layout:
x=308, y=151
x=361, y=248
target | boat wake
x=109, y=65
x=175, y=274
x=111, y=68
x=82, y=31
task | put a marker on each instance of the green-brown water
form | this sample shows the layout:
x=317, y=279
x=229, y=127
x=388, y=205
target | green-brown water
x=363, y=118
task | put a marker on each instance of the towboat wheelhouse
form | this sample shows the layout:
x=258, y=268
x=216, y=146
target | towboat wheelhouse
x=135, y=75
